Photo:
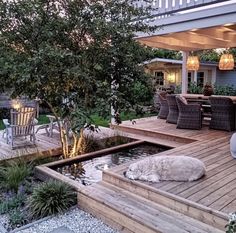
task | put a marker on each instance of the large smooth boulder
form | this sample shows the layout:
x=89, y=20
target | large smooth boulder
x=233, y=145
x=160, y=168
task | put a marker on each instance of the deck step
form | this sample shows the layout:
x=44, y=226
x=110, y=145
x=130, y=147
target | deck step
x=158, y=135
x=129, y=212
x=191, y=209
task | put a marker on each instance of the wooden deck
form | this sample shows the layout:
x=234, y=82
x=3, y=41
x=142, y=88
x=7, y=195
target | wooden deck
x=45, y=146
x=133, y=206
x=130, y=205
x=51, y=146
x=217, y=190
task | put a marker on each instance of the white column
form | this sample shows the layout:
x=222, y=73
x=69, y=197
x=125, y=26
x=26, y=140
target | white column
x=195, y=76
x=213, y=78
x=184, y=72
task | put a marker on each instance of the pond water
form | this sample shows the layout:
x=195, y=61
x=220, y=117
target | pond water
x=90, y=171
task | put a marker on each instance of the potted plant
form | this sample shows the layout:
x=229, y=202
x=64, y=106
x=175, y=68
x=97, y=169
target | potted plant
x=208, y=90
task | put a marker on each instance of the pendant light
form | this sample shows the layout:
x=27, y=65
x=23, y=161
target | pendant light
x=193, y=63
x=226, y=62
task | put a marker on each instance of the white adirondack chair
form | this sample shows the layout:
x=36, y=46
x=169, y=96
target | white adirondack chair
x=21, y=124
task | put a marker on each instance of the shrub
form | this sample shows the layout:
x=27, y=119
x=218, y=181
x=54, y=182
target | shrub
x=142, y=92
x=225, y=90
x=12, y=203
x=178, y=89
x=193, y=88
x=50, y=198
x=116, y=140
x=17, y=218
x=4, y=113
x=13, y=174
x=88, y=143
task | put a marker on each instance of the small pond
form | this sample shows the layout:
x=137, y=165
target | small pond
x=90, y=171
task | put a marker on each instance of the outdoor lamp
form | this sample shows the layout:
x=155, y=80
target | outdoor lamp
x=16, y=104
x=171, y=78
x=193, y=63
x=226, y=62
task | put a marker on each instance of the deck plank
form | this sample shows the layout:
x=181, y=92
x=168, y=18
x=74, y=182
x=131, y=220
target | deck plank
x=218, y=188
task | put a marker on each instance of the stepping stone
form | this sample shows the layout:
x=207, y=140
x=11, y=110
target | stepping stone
x=62, y=229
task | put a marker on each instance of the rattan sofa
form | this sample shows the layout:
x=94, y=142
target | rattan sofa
x=173, y=109
x=223, y=113
x=190, y=115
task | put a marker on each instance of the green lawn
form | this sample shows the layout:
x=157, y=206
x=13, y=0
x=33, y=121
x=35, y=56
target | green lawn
x=105, y=122
x=98, y=120
x=42, y=120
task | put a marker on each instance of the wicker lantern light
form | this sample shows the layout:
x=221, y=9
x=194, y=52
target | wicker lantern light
x=226, y=62
x=193, y=63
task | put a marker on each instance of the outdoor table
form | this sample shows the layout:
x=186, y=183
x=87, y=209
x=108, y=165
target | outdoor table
x=202, y=98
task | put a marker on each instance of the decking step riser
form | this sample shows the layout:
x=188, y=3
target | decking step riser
x=110, y=216
x=144, y=132
x=182, y=207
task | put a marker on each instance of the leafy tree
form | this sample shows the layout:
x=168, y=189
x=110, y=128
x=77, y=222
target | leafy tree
x=69, y=53
x=210, y=55
x=233, y=51
x=168, y=54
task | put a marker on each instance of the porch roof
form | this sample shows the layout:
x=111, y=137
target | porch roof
x=196, y=30
x=178, y=62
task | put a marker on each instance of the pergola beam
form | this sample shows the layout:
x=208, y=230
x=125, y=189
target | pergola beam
x=166, y=46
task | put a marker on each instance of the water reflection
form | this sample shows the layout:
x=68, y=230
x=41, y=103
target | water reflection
x=90, y=171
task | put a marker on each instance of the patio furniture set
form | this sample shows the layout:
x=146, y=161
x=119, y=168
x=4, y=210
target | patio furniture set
x=22, y=123
x=189, y=114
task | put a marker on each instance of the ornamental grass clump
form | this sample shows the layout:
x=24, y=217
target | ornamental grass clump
x=13, y=175
x=51, y=198
x=88, y=143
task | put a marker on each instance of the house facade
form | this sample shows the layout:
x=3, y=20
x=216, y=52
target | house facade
x=193, y=25
x=168, y=72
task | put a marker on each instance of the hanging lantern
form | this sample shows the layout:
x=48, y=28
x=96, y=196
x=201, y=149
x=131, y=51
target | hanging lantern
x=226, y=62
x=193, y=63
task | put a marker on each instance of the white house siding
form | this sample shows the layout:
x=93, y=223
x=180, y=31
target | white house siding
x=226, y=77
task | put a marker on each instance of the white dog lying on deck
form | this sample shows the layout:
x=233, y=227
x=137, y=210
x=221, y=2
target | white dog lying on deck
x=158, y=168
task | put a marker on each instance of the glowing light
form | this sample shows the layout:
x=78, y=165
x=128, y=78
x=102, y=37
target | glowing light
x=226, y=62
x=193, y=63
x=105, y=167
x=171, y=78
x=16, y=104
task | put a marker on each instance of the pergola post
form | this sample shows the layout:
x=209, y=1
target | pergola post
x=184, y=72
x=195, y=76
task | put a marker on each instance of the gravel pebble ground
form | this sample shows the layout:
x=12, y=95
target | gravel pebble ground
x=4, y=220
x=75, y=220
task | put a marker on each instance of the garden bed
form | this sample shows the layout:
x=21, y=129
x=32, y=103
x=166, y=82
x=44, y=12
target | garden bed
x=18, y=183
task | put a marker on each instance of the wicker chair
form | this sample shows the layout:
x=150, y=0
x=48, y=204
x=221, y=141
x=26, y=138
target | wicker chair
x=164, y=108
x=190, y=115
x=173, y=109
x=223, y=113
